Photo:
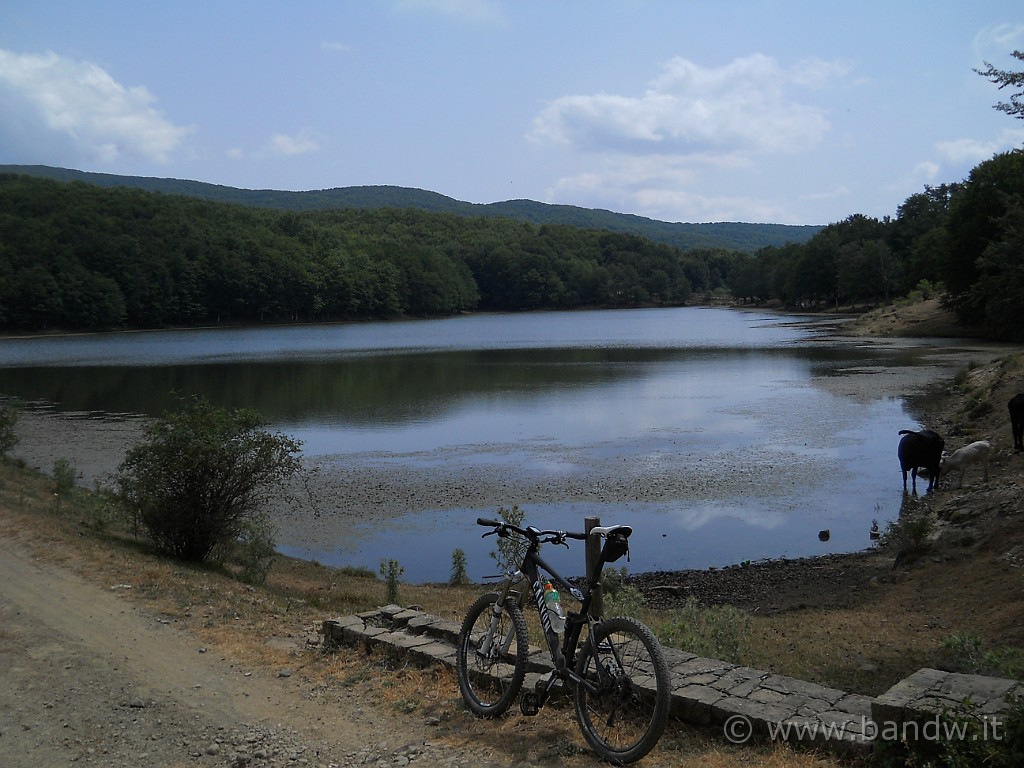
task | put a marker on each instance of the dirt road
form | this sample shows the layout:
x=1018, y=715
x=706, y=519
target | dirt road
x=88, y=678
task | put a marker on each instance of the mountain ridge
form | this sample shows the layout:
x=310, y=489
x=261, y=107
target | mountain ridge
x=737, y=236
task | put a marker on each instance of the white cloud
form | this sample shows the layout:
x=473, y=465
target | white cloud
x=654, y=151
x=335, y=46
x=974, y=151
x=47, y=97
x=301, y=144
x=927, y=170
x=995, y=44
x=659, y=187
x=743, y=106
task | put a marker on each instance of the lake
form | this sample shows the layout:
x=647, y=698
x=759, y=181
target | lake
x=720, y=435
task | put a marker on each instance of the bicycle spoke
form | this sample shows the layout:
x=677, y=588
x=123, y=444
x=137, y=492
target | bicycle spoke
x=626, y=714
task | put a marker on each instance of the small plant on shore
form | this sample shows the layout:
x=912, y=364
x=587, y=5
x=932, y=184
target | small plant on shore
x=908, y=536
x=459, y=575
x=620, y=597
x=392, y=572
x=715, y=632
x=63, y=481
x=9, y=410
x=968, y=654
x=63, y=477
x=511, y=550
x=256, y=548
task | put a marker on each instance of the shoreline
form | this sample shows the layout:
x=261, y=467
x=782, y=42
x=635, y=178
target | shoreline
x=383, y=492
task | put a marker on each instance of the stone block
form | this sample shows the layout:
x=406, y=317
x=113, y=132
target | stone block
x=695, y=703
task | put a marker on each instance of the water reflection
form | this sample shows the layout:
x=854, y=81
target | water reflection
x=721, y=436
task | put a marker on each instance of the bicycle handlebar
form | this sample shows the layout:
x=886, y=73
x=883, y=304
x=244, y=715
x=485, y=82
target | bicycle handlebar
x=502, y=529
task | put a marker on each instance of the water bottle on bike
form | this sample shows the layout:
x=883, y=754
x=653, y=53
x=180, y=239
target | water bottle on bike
x=553, y=601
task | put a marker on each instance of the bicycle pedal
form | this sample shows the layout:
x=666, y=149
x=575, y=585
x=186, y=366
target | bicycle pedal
x=528, y=704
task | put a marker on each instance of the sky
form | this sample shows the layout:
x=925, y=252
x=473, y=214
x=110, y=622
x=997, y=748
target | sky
x=788, y=112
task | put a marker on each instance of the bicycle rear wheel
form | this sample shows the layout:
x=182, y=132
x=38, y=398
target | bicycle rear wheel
x=625, y=716
x=491, y=656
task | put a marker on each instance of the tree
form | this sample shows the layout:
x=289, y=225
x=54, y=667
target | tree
x=976, y=219
x=1004, y=79
x=197, y=481
x=999, y=290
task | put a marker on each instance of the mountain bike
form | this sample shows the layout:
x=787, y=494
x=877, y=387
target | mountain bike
x=615, y=668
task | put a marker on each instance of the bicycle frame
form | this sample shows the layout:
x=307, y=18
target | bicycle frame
x=563, y=657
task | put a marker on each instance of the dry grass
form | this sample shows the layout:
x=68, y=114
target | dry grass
x=247, y=624
x=893, y=631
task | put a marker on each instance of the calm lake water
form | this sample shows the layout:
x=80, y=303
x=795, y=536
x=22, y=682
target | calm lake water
x=720, y=435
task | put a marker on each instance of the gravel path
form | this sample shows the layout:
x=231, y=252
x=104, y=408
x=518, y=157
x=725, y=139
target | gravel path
x=91, y=679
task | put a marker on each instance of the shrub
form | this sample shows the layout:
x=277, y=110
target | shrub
x=967, y=652
x=716, y=632
x=9, y=410
x=197, y=480
x=511, y=550
x=459, y=575
x=908, y=536
x=620, y=598
x=392, y=572
x=63, y=477
x=256, y=549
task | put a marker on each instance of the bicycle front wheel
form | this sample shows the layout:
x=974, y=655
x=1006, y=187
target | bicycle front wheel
x=491, y=655
x=622, y=704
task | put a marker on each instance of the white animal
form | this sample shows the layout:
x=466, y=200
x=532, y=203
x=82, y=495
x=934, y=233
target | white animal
x=973, y=453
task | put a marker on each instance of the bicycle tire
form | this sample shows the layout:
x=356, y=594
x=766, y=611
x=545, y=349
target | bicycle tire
x=625, y=718
x=490, y=683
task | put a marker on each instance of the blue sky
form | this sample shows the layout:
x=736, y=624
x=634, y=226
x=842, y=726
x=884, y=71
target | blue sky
x=681, y=110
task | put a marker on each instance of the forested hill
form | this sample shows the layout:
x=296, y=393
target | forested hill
x=731, y=236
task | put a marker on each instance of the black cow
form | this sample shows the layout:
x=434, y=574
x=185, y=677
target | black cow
x=920, y=449
x=1016, y=406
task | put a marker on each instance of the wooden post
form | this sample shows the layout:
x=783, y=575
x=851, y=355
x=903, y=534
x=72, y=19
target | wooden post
x=593, y=553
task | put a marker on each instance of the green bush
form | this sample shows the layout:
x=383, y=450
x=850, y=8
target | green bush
x=392, y=572
x=63, y=477
x=256, y=547
x=620, y=598
x=357, y=572
x=197, y=481
x=716, y=632
x=969, y=654
x=511, y=550
x=9, y=410
x=459, y=575
x=909, y=535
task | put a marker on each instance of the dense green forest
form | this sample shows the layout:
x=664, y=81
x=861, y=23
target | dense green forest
x=730, y=236
x=80, y=256
x=963, y=241
x=84, y=257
